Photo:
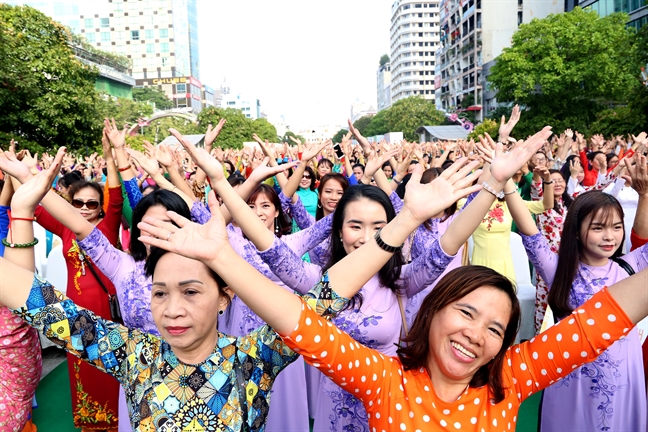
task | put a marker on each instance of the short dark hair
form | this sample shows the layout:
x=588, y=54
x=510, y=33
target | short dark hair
x=312, y=178
x=358, y=165
x=169, y=200
x=157, y=253
x=453, y=286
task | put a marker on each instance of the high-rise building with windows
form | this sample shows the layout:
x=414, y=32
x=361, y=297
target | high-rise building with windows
x=383, y=86
x=414, y=38
x=637, y=9
x=159, y=36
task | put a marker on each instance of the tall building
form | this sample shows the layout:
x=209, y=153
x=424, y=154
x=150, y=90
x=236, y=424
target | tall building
x=473, y=34
x=414, y=38
x=159, y=36
x=383, y=86
x=635, y=8
x=250, y=107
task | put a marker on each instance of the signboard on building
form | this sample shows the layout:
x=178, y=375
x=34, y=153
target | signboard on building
x=175, y=80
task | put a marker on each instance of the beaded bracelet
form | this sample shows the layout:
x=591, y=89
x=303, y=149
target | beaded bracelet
x=384, y=246
x=19, y=245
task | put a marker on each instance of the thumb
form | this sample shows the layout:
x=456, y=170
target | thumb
x=214, y=206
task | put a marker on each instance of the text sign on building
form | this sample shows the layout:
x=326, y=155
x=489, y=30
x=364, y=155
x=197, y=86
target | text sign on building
x=177, y=80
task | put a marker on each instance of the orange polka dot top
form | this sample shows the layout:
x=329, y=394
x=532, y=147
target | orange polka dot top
x=399, y=400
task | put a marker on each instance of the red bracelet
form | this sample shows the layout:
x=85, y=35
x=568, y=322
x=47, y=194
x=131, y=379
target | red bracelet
x=124, y=169
x=31, y=219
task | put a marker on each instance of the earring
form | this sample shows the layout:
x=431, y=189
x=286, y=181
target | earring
x=319, y=205
x=221, y=312
x=276, y=224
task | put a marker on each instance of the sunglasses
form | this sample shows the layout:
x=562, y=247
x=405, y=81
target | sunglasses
x=91, y=205
x=306, y=176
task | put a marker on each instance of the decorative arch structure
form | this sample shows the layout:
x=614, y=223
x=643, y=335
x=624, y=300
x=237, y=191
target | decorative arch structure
x=141, y=122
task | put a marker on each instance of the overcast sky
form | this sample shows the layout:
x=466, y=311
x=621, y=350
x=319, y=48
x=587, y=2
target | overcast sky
x=305, y=59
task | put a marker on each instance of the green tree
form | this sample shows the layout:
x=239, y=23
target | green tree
x=288, y=134
x=384, y=59
x=378, y=125
x=337, y=138
x=236, y=131
x=47, y=96
x=488, y=125
x=158, y=129
x=362, y=123
x=264, y=129
x=124, y=111
x=153, y=94
x=407, y=115
x=566, y=68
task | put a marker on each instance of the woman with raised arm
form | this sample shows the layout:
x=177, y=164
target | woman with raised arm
x=373, y=319
x=460, y=371
x=609, y=393
x=194, y=376
x=94, y=396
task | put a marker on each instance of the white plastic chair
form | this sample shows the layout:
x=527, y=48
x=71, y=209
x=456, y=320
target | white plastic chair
x=526, y=290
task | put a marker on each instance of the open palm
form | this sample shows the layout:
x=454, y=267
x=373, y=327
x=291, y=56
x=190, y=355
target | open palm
x=12, y=166
x=189, y=239
x=27, y=196
x=427, y=200
x=505, y=165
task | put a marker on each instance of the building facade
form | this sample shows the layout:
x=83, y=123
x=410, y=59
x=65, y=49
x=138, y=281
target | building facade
x=186, y=92
x=250, y=107
x=414, y=39
x=473, y=34
x=383, y=86
x=637, y=9
x=159, y=36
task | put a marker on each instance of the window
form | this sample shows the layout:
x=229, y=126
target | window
x=181, y=88
x=104, y=22
x=164, y=33
x=88, y=23
x=164, y=47
x=231, y=103
x=148, y=34
x=105, y=36
x=150, y=48
x=134, y=34
x=165, y=60
x=90, y=37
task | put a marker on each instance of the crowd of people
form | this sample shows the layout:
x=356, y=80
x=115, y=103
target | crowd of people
x=281, y=285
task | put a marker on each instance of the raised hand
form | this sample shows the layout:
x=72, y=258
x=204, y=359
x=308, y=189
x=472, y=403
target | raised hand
x=212, y=134
x=201, y=157
x=505, y=165
x=27, y=197
x=189, y=239
x=148, y=163
x=424, y=201
x=375, y=162
x=542, y=172
x=364, y=142
x=10, y=164
x=264, y=171
x=506, y=128
x=486, y=148
x=117, y=137
x=642, y=138
x=313, y=150
x=638, y=174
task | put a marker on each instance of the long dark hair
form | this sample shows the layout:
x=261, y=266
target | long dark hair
x=282, y=222
x=168, y=200
x=83, y=184
x=390, y=272
x=344, y=182
x=588, y=204
x=453, y=286
x=567, y=200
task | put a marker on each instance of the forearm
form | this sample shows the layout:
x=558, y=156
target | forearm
x=466, y=222
x=7, y=192
x=21, y=232
x=519, y=210
x=180, y=183
x=640, y=226
x=278, y=307
x=382, y=182
x=113, y=175
x=62, y=211
x=438, y=162
x=631, y=294
x=293, y=182
x=244, y=216
x=123, y=162
x=548, y=195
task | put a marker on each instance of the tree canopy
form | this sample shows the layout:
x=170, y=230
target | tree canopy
x=47, y=96
x=153, y=94
x=384, y=59
x=407, y=115
x=566, y=68
x=362, y=123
